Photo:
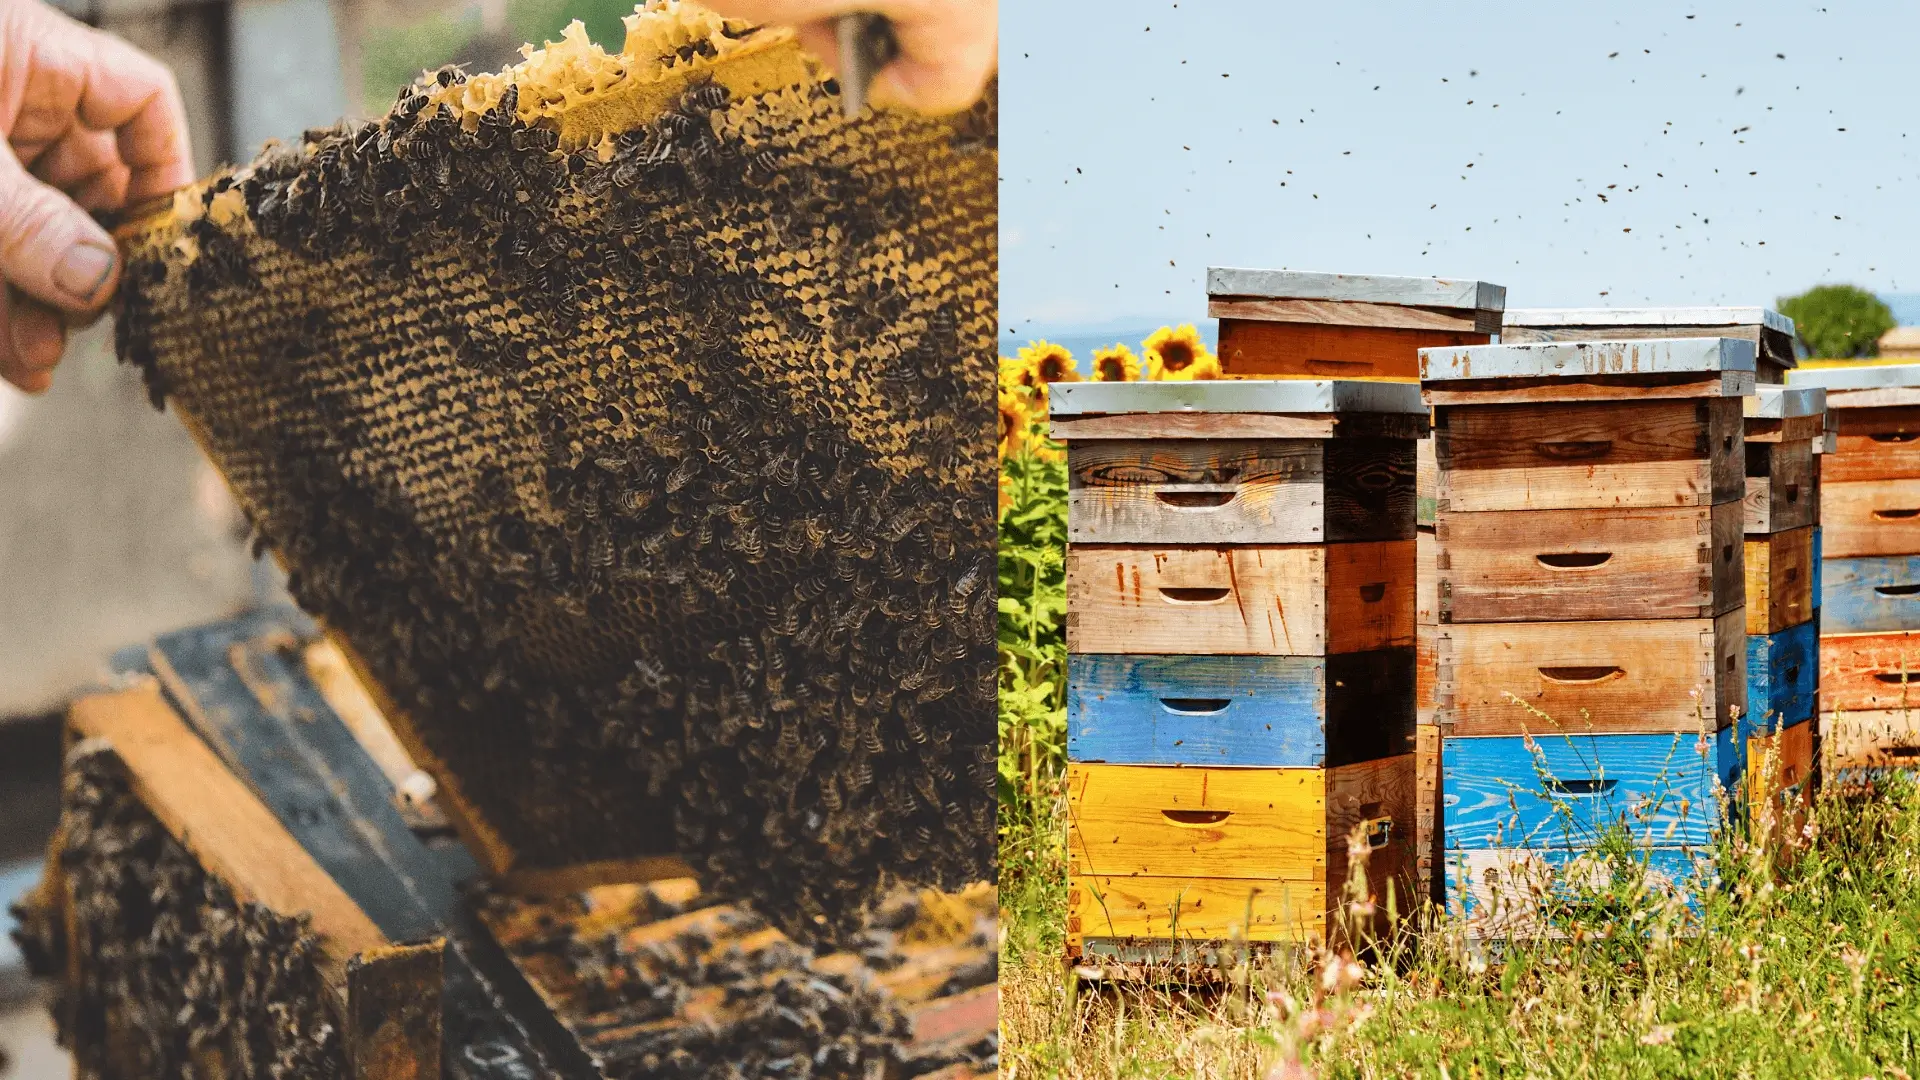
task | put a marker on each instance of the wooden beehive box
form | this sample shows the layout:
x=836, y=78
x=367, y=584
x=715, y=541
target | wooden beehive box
x=1591, y=638
x=1241, y=699
x=1290, y=323
x=1770, y=332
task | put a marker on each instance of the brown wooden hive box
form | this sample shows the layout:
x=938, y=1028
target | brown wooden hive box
x=1281, y=323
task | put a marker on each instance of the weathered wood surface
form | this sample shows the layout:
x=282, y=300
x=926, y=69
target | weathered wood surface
x=1426, y=484
x=1497, y=889
x=1885, y=420
x=1154, y=821
x=1860, y=739
x=1190, y=908
x=1309, y=397
x=1708, y=320
x=1656, y=675
x=1668, y=357
x=1859, y=377
x=1886, y=455
x=1888, y=397
x=1780, y=488
x=1819, y=565
x=1377, y=800
x=1567, y=790
x=1210, y=425
x=1293, y=491
x=1783, y=678
x=1304, y=600
x=1313, y=350
x=1778, y=767
x=1426, y=618
x=393, y=1011
x=1779, y=585
x=1428, y=837
x=1790, y=429
x=1599, y=388
x=1353, y=314
x=1292, y=711
x=1235, y=281
x=1866, y=595
x=1614, y=563
x=1870, y=517
x=1586, y=455
x=1870, y=671
x=217, y=818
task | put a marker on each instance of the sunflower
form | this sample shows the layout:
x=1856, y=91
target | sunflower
x=1175, y=353
x=1006, y=493
x=1014, y=421
x=1051, y=363
x=1115, y=364
x=1017, y=378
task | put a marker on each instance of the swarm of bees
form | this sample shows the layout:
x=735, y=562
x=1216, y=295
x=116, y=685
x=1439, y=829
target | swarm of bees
x=173, y=972
x=650, y=474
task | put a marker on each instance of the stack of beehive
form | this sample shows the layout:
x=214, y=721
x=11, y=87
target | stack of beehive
x=1285, y=324
x=1869, y=567
x=1592, y=647
x=1240, y=591
x=1783, y=430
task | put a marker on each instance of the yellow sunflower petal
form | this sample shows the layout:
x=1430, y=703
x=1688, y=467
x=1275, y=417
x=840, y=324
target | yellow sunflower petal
x=1116, y=363
x=1051, y=363
x=1171, y=351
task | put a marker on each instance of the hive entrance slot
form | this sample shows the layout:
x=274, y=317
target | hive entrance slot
x=1195, y=706
x=1195, y=818
x=1193, y=595
x=1574, y=560
x=1196, y=500
x=1586, y=786
x=1589, y=674
x=1574, y=450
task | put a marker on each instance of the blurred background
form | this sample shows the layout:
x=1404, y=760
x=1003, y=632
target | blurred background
x=113, y=528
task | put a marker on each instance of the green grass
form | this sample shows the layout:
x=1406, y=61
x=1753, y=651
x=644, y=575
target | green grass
x=1808, y=969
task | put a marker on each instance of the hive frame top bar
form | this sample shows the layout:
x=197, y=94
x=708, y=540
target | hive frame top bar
x=1583, y=359
x=1288, y=396
x=1355, y=288
x=1782, y=402
x=1865, y=377
x=1650, y=316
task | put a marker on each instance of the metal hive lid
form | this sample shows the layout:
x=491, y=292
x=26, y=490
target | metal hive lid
x=1356, y=288
x=1650, y=317
x=1292, y=396
x=1584, y=359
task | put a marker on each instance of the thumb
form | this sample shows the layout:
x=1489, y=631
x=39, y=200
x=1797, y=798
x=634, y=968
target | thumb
x=51, y=249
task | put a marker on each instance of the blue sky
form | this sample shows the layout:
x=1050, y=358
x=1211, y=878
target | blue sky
x=1577, y=155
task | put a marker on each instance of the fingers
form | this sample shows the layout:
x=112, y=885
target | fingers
x=86, y=78
x=86, y=165
x=949, y=49
x=32, y=337
x=49, y=248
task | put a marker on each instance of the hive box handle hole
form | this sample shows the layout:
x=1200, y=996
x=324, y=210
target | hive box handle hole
x=1793, y=492
x=1896, y=677
x=1896, y=515
x=1195, y=706
x=1574, y=560
x=1194, y=596
x=1588, y=786
x=1574, y=450
x=1196, y=818
x=1903, y=751
x=1580, y=674
x=1373, y=591
x=1895, y=436
x=1896, y=590
x=1196, y=500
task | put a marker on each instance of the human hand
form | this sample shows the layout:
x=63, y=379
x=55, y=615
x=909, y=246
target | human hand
x=948, y=48
x=91, y=123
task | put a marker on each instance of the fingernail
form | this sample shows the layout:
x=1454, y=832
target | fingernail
x=83, y=270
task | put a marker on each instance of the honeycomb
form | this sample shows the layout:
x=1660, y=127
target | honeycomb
x=174, y=978
x=628, y=415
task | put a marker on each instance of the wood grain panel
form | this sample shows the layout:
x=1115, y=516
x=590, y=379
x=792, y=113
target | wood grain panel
x=1614, y=563
x=1783, y=678
x=1780, y=490
x=1779, y=580
x=1239, y=491
x=1566, y=791
x=1203, y=425
x=1303, y=600
x=1197, y=710
x=1871, y=517
x=1883, y=456
x=1560, y=390
x=1870, y=671
x=1427, y=811
x=1874, y=420
x=1263, y=824
x=1199, y=909
x=1314, y=350
x=1869, y=739
x=1350, y=313
x=1870, y=594
x=1580, y=455
x=1377, y=800
x=1426, y=483
x=1646, y=676
x=1778, y=767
